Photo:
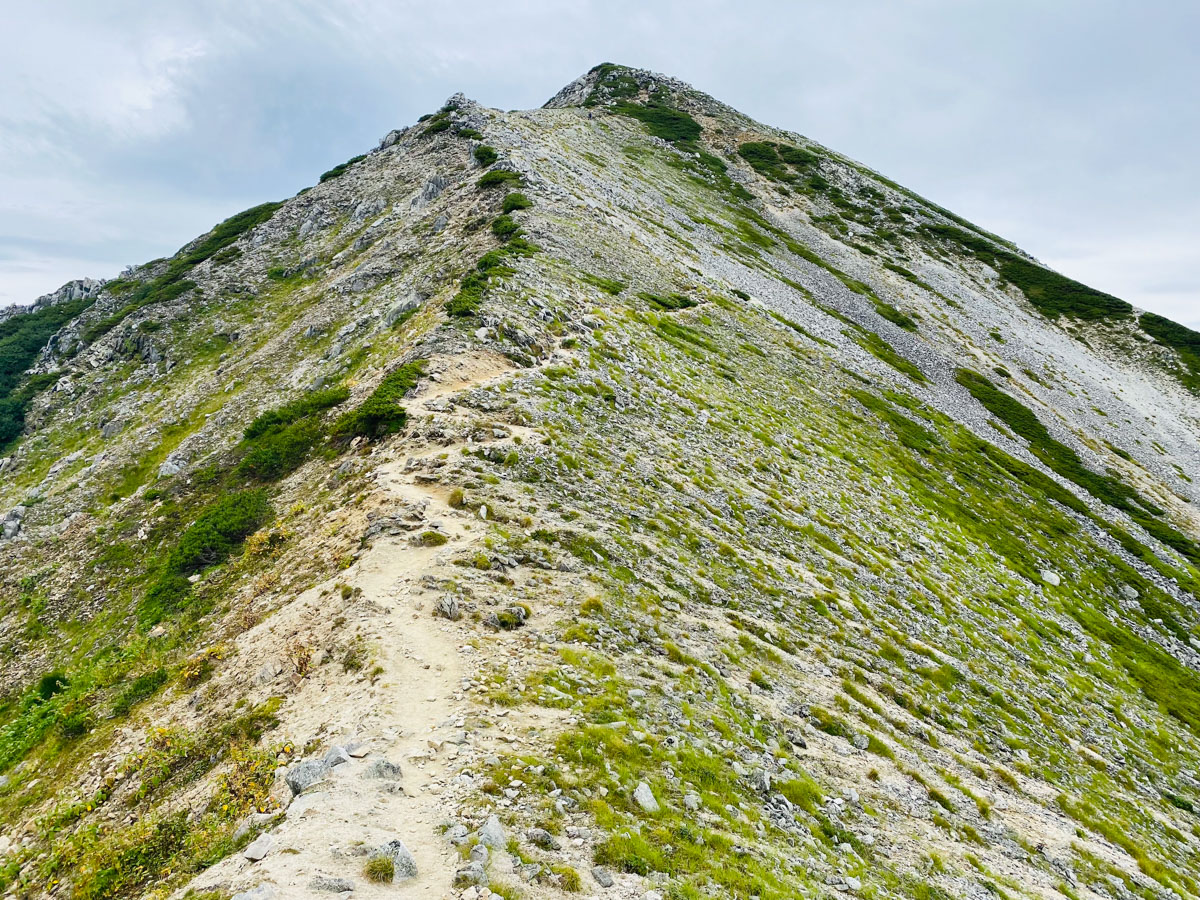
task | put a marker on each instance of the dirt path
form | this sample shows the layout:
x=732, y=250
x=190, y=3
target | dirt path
x=412, y=713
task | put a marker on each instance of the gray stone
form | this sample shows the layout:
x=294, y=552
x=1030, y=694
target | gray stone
x=306, y=773
x=402, y=859
x=644, y=797
x=448, y=608
x=472, y=873
x=383, y=770
x=603, y=876
x=540, y=837
x=492, y=834
x=330, y=885
x=479, y=853
x=337, y=756
x=457, y=834
x=1129, y=592
x=262, y=892
x=259, y=847
x=691, y=801
x=1051, y=578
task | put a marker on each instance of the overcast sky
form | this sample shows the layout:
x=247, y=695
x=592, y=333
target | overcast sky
x=1069, y=126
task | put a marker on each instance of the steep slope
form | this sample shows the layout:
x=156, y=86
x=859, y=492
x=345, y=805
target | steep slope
x=703, y=506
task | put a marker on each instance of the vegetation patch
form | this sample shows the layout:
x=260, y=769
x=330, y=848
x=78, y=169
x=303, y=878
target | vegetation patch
x=1052, y=294
x=340, y=169
x=381, y=414
x=1179, y=338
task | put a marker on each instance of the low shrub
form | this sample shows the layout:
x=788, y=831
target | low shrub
x=515, y=201
x=485, y=155
x=381, y=414
x=341, y=169
x=498, y=177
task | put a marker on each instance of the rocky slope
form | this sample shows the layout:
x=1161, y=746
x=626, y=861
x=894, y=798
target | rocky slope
x=622, y=497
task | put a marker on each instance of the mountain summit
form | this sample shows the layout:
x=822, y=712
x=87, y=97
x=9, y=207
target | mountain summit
x=621, y=497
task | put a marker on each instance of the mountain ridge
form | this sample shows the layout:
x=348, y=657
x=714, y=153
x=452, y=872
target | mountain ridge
x=718, y=493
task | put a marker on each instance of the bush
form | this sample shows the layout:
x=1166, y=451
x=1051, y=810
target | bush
x=485, y=155
x=515, y=201
x=381, y=414
x=1052, y=294
x=668, y=302
x=341, y=169
x=505, y=227
x=309, y=404
x=141, y=688
x=218, y=531
x=50, y=684
x=280, y=451
x=498, y=177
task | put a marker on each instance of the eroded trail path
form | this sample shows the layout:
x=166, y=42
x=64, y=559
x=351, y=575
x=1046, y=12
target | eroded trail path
x=409, y=710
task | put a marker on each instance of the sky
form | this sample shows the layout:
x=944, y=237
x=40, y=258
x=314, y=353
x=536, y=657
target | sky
x=1071, y=127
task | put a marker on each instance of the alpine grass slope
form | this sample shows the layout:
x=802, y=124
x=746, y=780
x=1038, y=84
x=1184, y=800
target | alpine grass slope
x=622, y=497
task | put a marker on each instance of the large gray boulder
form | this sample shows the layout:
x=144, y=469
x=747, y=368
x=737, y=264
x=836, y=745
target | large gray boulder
x=306, y=773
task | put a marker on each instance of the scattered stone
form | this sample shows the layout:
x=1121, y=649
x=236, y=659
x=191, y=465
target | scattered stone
x=337, y=756
x=473, y=873
x=691, y=801
x=644, y=797
x=492, y=834
x=383, y=770
x=262, y=892
x=448, y=608
x=259, y=847
x=330, y=885
x=306, y=773
x=1051, y=578
x=540, y=837
x=405, y=865
x=603, y=876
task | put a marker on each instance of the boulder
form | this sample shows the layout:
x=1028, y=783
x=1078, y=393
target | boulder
x=492, y=834
x=306, y=773
x=644, y=797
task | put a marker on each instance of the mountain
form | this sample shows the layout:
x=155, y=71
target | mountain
x=621, y=497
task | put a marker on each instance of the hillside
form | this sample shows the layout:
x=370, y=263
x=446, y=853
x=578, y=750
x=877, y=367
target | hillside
x=621, y=497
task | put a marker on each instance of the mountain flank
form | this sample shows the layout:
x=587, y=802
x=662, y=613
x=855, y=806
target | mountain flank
x=621, y=498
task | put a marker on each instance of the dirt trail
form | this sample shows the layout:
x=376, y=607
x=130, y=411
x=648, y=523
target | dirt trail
x=412, y=714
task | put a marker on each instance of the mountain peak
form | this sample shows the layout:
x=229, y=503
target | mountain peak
x=647, y=495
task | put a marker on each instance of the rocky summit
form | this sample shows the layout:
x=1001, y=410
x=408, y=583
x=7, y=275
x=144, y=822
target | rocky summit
x=622, y=498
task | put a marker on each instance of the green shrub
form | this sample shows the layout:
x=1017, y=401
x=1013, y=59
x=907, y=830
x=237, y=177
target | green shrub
x=1183, y=340
x=278, y=441
x=469, y=297
x=485, y=155
x=498, y=177
x=280, y=451
x=341, y=169
x=22, y=338
x=381, y=414
x=896, y=317
x=669, y=302
x=515, y=201
x=1052, y=294
x=219, y=530
x=50, y=684
x=608, y=285
x=141, y=688
x=505, y=227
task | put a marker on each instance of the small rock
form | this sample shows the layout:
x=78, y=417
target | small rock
x=401, y=857
x=473, y=873
x=306, y=773
x=331, y=885
x=1051, y=578
x=691, y=801
x=603, y=876
x=540, y=837
x=262, y=892
x=644, y=797
x=259, y=848
x=337, y=756
x=457, y=834
x=855, y=884
x=492, y=834
x=383, y=770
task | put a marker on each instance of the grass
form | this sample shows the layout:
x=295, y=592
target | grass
x=380, y=870
x=668, y=302
x=608, y=285
x=666, y=122
x=882, y=350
